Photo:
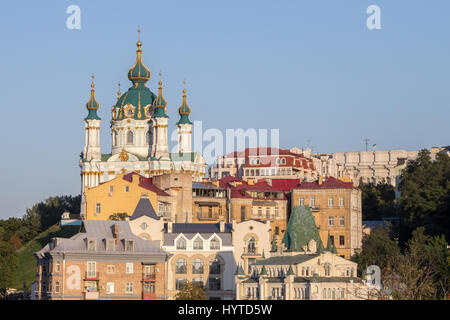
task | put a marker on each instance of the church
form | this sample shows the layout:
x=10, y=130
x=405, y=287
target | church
x=139, y=132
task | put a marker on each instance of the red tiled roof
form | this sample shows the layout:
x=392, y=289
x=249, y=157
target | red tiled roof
x=224, y=182
x=328, y=183
x=145, y=183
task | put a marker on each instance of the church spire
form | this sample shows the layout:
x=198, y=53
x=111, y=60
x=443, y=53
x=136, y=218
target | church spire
x=139, y=73
x=160, y=103
x=184, y=111
x=92, y=105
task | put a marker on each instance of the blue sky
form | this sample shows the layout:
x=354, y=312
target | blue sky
x=310, y=68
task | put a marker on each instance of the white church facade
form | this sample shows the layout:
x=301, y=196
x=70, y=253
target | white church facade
x=139, y=131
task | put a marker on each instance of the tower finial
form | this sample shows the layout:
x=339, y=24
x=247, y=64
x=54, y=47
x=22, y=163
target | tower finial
x=92, y=83
x=118, y=92
x=139, y=32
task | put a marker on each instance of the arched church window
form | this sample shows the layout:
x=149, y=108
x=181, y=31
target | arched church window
x=251, y=245
x=114, y=134
x=130, y=137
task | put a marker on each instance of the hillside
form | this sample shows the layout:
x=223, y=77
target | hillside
x=26, y=271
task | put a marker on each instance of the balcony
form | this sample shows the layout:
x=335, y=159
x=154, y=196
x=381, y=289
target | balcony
x=213, y=216
x=148, y=277
x=252, y=252
x=148, y=296
x=315, y=208
x=91, y=275
x=91, y=295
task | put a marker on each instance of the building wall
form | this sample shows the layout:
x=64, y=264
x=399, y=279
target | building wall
x=73, y=281
x=118, y=201
x=351, y=211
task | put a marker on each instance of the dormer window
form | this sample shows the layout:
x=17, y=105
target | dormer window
x=110, y=245
x=91, y=245
x=214, y=244
x=181, y=244
x=129, y=245
x=198, y=244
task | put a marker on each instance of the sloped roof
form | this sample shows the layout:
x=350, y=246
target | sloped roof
x=328, y=183
x=286, y=260
x=301, y=229
x=145, y=183
x=144, y=208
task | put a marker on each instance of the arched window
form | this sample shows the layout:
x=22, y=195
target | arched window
x=181, y=244
x=197, y=266
x=130, y=137
x=214, y=266
x=327, y=270
x=251, y=245
x=283, y=161
x=198, y=244
x=114, y=136
x=180, y=266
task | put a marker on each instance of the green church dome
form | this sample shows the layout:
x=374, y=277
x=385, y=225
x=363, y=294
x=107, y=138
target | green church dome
x=138, y=95
x=92, y=105
x=184, y=111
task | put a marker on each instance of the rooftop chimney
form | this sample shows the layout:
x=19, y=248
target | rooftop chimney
x=169, y=227
x=115, y=232
x=320, y=180
x=222, y=226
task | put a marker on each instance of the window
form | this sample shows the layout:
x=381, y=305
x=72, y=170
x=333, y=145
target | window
x=277, y=212
x=198, y=244
x=98, y=208
x=259, y=211
x=130, y=137
x=149, y=269
x=181, y=244
x=129, y=287
x=127, y=189
x=148, y=287
x=251, y=245
x=312, y=202
x=214, y=283
x=215, y=244
x=179, y=283
x=110, y=244
x=57, y=287
x=214, y=266
x=283, y=161
x=91, y=269
x=330, y=221
x=110, y=287
x=332, y=240
x=143, y=226
x=111, y=189
x=181, y=266
x=129, y=245
x=330, y=201
x=242, y=213
x=57, y=266
x=129, y=267
x=302, y=201
x=114, y=134
x=341, y=201
x=197, y=266
x=110, y=269
x=327, y=270
x=149, y=137
x=268, y=213
x=198, y=281
x=341, y=240
x=91, y=245
x=342, y=221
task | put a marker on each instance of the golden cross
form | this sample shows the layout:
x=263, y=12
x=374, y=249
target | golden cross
x=184, y=84
x=92, y=77
x=119, y=85
x=139, y=33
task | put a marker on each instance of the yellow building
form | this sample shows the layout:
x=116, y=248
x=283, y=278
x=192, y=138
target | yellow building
x=121, y=195
x=336, y=207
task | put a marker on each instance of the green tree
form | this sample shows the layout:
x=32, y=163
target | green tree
x=425, y=195
x=8, y=264
x=118, y=216
x=191, y=291
x=377, y=249
x=377, y=201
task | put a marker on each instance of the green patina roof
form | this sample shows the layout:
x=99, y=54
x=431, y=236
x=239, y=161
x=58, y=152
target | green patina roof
x=105, y=157
x=290, y=271
x=92, y=105
x=327, y=279
x=286, y=260
x=274, y=244
x=239, y=271
x=184, y=111
x=301, y=229
x=139, y=96
x=184, y=119
x=139, y=72
x=179, y=156
x=263, y=271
